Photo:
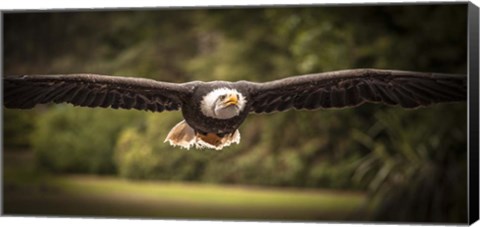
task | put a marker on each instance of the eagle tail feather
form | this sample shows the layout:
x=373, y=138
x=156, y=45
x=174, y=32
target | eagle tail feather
x=184, y=136
x=181, y=135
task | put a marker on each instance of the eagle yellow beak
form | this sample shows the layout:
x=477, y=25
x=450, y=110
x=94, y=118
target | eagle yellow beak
x=231, y=100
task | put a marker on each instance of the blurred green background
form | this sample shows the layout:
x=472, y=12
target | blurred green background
x=371, y=163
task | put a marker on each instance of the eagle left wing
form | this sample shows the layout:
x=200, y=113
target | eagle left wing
x=349, y=88
x=92, y=90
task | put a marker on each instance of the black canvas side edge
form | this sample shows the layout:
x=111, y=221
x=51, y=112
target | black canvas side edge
x=2, y=199
x=473, y=61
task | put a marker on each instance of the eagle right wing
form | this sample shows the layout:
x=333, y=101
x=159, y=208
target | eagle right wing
x=91, y=90
x=350, y=88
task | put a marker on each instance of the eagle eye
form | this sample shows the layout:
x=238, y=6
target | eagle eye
x=222, y=97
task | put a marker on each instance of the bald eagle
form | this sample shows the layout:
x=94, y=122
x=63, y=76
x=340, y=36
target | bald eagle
x=213, y=111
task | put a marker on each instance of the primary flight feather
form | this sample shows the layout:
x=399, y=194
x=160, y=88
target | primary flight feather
x=213, y=111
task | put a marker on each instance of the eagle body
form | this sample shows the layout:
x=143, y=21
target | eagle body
x=213, y=111
x=205, y=124
x=202, y=131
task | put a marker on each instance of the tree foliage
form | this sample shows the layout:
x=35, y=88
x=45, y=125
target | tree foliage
x=79, y=140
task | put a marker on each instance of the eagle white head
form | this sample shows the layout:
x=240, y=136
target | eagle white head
x=223, y=103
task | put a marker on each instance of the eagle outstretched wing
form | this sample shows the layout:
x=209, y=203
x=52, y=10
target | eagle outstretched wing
x=91, y=90
x=349, y=88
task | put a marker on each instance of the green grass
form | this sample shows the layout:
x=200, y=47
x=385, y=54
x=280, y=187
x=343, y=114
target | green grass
x=28, y=193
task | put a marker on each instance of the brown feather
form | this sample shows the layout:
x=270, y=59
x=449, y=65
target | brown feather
x=349, y=88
